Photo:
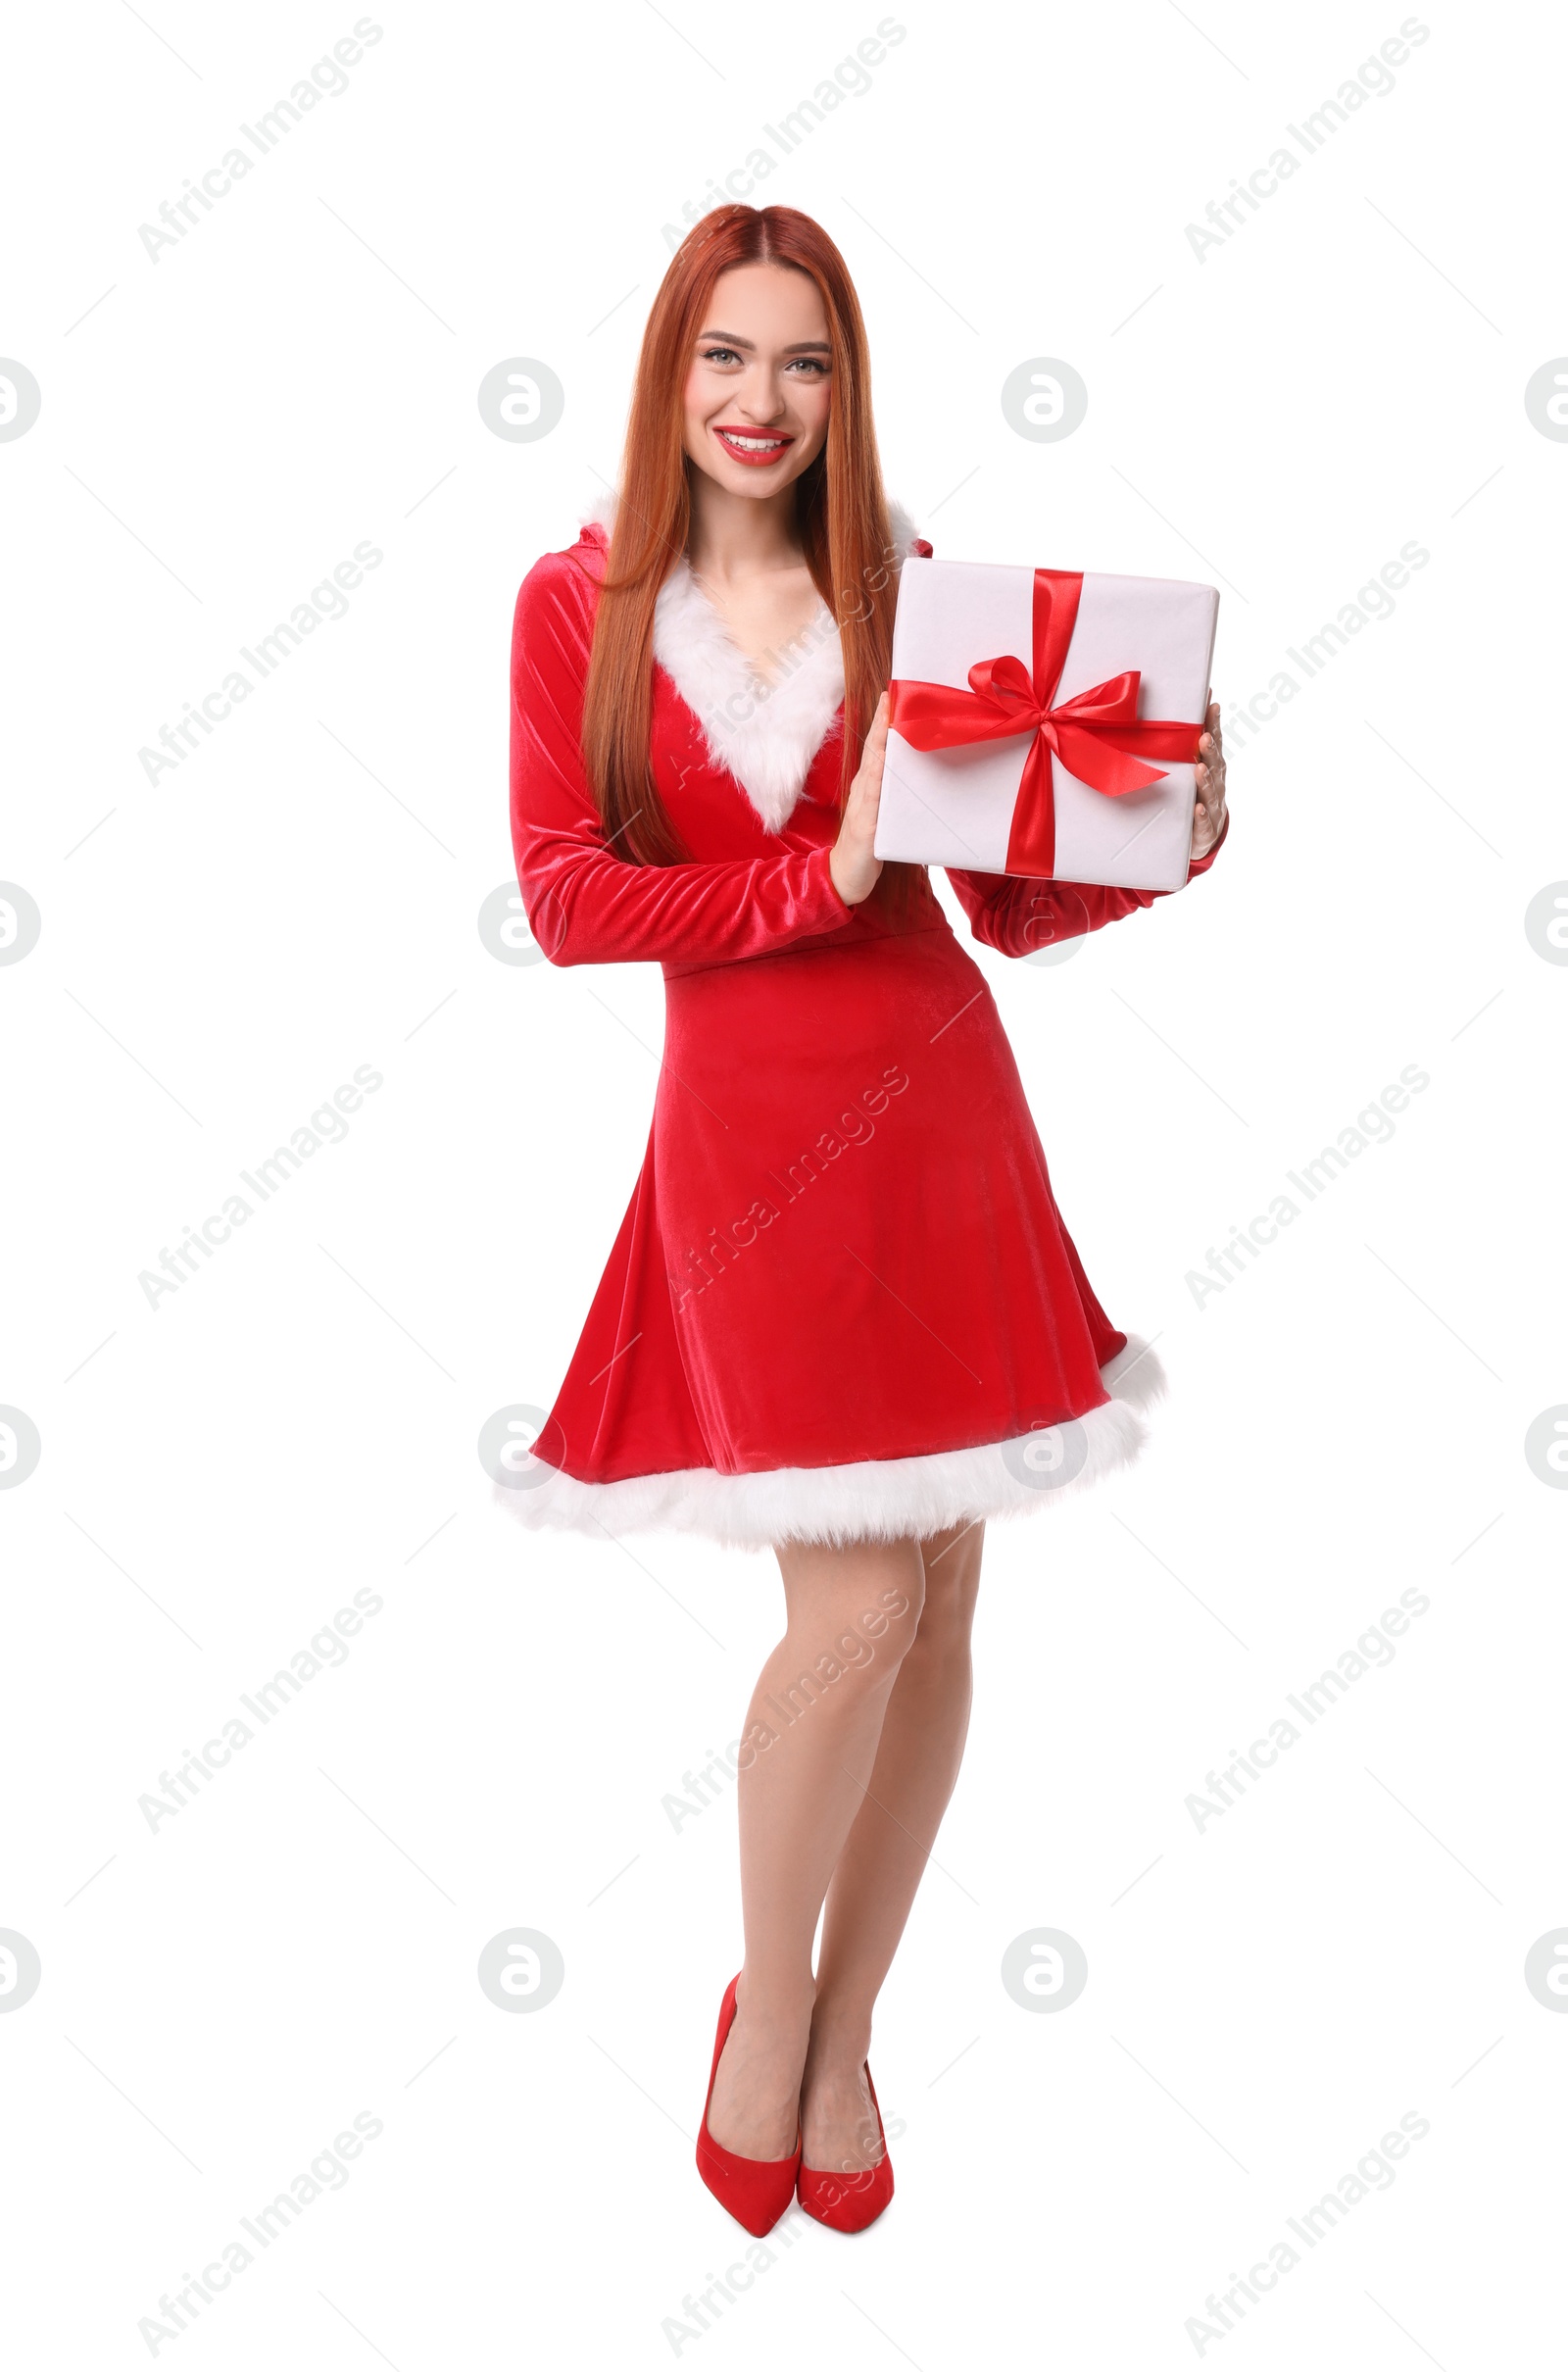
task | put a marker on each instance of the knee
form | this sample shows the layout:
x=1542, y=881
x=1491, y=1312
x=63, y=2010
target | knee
x=946, y=1614
x=865, y=1627
x=886, y=1622
x=949, y=1564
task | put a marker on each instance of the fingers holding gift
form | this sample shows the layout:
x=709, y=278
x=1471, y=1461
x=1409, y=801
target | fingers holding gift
x=854, y=864
x=1211, y=754
x=1209, y=776
x=873, y=749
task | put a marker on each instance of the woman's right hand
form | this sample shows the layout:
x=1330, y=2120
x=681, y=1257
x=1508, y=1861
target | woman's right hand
x=854, y=866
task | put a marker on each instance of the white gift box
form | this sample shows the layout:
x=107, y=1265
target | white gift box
x=959, y=805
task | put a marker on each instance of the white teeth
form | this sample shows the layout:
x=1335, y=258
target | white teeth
x=752, y=444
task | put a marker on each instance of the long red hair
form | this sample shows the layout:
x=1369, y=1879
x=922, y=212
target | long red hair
x=841, y=516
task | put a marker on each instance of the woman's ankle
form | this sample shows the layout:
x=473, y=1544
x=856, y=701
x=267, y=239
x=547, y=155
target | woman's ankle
x=772, y=2005
x=841, y=2034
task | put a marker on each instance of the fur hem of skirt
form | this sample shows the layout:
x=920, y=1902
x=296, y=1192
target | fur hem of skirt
x=874, y=1499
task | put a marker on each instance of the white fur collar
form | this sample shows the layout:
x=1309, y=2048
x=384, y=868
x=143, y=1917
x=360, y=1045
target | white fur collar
x=764, y=734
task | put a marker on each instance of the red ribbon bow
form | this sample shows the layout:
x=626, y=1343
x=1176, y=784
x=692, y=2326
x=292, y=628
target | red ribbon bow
x=1099, y=735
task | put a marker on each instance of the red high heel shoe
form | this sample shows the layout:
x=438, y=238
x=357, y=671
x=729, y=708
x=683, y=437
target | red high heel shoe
x=848, y=2202
x=756, y=2190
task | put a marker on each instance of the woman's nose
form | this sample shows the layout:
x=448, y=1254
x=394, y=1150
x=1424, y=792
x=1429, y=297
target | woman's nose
x=762, y=401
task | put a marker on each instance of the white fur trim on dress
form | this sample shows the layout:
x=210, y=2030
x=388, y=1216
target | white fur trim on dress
x=874, y=1499
x=764, y=733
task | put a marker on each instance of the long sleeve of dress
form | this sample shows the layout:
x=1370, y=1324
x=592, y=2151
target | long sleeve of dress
x=586, y=905
x=1018, y=915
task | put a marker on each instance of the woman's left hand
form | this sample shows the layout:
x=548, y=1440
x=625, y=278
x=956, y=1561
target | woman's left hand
x=1208, y=816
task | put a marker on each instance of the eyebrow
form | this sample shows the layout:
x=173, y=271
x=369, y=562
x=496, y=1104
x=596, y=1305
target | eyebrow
x=806, y=345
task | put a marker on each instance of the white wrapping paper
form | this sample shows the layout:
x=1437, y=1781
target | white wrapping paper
x=954, y=806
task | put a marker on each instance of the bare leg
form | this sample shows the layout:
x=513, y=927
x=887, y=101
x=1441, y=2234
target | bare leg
x=811, y=1744
x=885, y=1853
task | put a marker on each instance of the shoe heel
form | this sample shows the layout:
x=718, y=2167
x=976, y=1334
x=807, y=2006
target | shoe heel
x=755, y=2191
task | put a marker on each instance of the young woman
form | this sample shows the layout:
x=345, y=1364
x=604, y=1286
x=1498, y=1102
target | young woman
x=843, y=1318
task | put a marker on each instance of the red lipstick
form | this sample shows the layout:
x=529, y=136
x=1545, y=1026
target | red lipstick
x=761, y=448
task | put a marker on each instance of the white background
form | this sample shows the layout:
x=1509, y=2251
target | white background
x=221, y=949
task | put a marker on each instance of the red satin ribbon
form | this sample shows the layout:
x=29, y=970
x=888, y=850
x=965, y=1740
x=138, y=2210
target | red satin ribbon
x=1099, y=735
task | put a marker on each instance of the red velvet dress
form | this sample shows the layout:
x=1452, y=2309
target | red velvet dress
x=841, y=1302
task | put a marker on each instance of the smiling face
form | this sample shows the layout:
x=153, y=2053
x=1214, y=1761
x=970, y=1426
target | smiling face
x=759, y=387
